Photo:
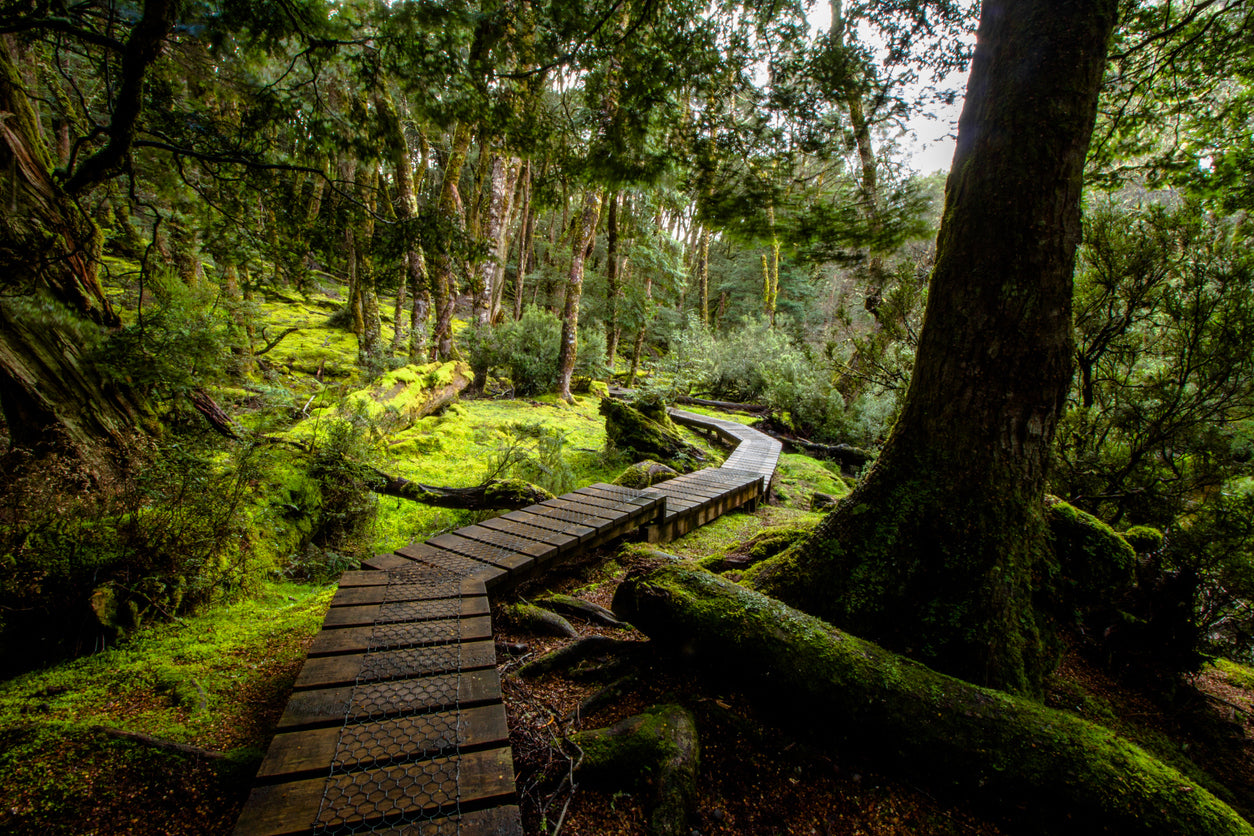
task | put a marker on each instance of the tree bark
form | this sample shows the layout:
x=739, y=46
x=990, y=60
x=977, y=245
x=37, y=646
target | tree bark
x=934, y=553
x=51, y=396
x=583, y=239
x=845, y=693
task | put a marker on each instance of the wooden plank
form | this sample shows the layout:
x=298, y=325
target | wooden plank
x=576, y=506
x=522, y=545
x=617, y=506
x=409, y=634
x=566, y=516
x=294, y=807
x=452, y=562
x=330, y=706
x=490, y=553
x=377, y=594
x=557, y=526
x=504, y=820
x=563, y=541
x=384, y=562
x=307, y=754
x=395, y=611
x=327, y=671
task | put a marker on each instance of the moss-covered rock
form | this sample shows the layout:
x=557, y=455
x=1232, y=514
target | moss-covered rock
x=844, y=692
x=660, y=746
x=1144, y=539
x=646, y=434
x=645, y=474
x=1094, y=564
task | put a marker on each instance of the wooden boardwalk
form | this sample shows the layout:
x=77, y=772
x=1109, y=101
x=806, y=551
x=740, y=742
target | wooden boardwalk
x=396, y=723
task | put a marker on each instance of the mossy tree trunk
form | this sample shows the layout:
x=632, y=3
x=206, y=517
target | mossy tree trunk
x=843, y=692
x=934, y=553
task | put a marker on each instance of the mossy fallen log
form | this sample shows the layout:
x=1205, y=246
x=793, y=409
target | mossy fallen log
x=659, y=745
x=493, y=494
x=844, y=691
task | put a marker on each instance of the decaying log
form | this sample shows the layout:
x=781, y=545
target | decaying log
x=159, y=743
x=219, y=420
x=495, y=493
x=846, y=692
x=725, y=406
x=845, y=454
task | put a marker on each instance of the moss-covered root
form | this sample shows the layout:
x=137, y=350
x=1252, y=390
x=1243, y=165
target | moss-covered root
x=532, y=619
x=579, y=608
x=660, y=744
x=846, y=691
x=767, y=544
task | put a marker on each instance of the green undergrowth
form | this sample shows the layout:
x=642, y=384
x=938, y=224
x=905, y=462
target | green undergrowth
x=216, y=681
x=1236, y=675
x=180, y=680
x=800, y=477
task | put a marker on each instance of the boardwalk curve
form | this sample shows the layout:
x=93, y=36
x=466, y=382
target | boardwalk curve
x=396, y=724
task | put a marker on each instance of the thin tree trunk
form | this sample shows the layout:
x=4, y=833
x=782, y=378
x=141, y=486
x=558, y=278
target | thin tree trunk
x=934, y=553
x=582, y=244
x=504, y=174
x=525, y=229
x=613, y=282
x=703, y=275
x=443, y=280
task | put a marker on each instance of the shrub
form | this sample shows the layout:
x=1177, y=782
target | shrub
x=534, y=453
x=84, y=564
x=529, y=351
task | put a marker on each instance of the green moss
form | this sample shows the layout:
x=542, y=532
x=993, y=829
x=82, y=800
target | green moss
x=1144, y=539
x=799, y=477
x=645, y=474
x=1094, y=564
x=1239, y=676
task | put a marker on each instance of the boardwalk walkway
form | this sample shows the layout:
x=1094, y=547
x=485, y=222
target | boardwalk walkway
x=396, y=723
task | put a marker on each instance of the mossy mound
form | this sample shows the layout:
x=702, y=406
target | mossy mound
x=645, y=431
x=645, y=474
x=1144, y=539
x=1094, y=564
x=660, y=746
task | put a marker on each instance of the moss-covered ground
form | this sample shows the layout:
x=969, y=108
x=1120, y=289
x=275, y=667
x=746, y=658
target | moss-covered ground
x=216, y=681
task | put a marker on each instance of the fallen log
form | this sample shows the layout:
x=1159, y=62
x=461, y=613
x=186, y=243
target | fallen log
x=493, y=494
x=843, y=691
x=726, y=406
x=847, y=455
x=160, y=743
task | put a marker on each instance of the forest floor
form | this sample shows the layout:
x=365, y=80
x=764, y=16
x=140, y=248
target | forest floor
x=218, y=681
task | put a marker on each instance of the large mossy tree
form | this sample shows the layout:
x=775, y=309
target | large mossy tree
x=935, y=553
